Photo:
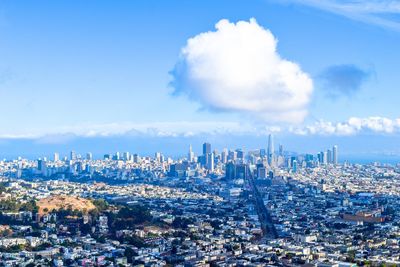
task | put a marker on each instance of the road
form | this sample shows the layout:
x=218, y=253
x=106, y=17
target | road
x=268, y=228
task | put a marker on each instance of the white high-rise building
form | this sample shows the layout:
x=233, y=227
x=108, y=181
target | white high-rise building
x=127, y=156
x=89, y=156
x=329, y=156
x=56, y=157
x=335, y=154
x=42, y=166
x=210, y=162
x=190, y=154
x=224, y=156
x=158, y=157
x=325, y=158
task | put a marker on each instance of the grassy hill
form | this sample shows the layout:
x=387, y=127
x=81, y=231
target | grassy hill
x=64, y=202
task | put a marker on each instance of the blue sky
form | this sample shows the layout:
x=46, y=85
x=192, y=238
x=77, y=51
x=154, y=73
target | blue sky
x=103, y=68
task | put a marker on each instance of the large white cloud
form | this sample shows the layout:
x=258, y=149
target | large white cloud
x=237, y=68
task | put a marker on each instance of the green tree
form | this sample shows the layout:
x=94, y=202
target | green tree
x=100, y=204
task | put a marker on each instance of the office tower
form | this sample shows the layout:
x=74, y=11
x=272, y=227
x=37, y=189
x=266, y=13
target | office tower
x=177, y=170
x=294, y=167
x=39, y=164
x=210, y=162
x=202, y=159
x=42, y=166
x=230, y=171
x=190, y=154
x=72, y=155
x=116, y=156
x=71, y=166
x=280, y=150
x=224, y=156
x=292, y=159
x=309, y=158
x=232, y=155
x=56, y=157
x=270, y=150
x=136, y=158
x=240, y=154
x=157, y=156
x=329, y=156
x=89, y=156
x=321, y=157
x=261, y=171
x=206, y=148
x=241, y=171
x=324, y=157
x=126, y=156
x=335, y=154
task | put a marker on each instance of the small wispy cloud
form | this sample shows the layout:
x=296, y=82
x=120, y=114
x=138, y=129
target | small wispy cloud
x=343, y=80
x=185, y=129
x=353, y=126
x=383, y=13
x=153, y=129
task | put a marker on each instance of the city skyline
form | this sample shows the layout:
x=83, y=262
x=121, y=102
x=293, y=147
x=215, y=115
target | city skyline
x=178, y=150
x=199, y=133
x=206, y=148
x=83, y=63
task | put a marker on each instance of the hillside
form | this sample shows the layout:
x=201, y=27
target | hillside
x=64, y=202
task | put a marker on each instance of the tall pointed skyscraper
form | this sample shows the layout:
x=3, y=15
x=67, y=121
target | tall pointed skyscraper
x=270, y=150
x=190, y=154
